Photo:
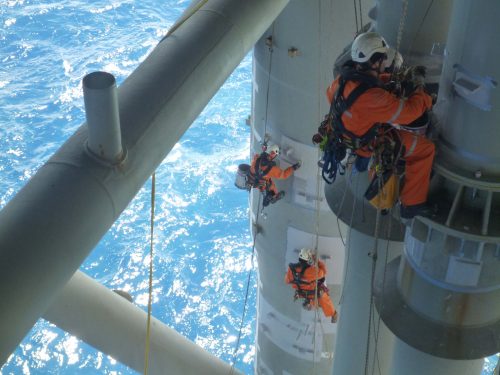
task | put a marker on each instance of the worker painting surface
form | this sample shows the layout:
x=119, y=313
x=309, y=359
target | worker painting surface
x=363, y=108
x=307, y=277
x=264, y=169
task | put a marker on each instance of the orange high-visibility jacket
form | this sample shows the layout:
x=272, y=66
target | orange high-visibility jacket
x=310, y=276
x=274, y=172
x=377, y=105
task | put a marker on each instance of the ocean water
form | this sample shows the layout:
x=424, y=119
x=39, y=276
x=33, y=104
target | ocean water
x=202, y=241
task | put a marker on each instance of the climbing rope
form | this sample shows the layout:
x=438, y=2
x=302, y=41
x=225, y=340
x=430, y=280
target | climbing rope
x=235, y=352
x=319, y=180
x=150, y=294
x=377, y=155
x=402, y=21
x=372, y=282
x=356, y=16
x=349, y=232
x=183, y=19
x=410, y=49
x=316, y=223
x=377, y=327
x=270, y=41
x=259, y=211
x=316, y=264
x=358, y=13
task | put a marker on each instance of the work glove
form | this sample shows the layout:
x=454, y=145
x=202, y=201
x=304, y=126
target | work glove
x=296, y=166
x=418, y=76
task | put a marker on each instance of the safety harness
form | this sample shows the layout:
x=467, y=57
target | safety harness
x=332, y=135
x=256, y=179
x=297, y=275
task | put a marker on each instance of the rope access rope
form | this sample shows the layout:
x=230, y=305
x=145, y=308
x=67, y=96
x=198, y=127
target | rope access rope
x=410, y=49
x=235, y=352
x=153, y=183
x=150, y=294
x=358, y=9
x=316, y=315
x=360, y=15
x=377, y=156
x=316, y=224
x=402, y=21
x=349, y=232
x=259, y=211
x=271, y=50
x=377, y=329
x=184, y=18
x=374, y=263
x=356, y=16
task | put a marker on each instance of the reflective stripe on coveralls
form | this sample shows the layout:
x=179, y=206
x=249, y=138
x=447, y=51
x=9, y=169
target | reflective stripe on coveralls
x=377, y=105
x=310, y=276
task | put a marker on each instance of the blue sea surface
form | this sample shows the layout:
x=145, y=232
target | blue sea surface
x=202, y=243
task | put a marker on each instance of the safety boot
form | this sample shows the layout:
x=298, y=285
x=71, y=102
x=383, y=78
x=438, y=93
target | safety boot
x=335, y=317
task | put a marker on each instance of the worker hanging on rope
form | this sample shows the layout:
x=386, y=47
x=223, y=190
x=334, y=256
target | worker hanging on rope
x=261, y=173
x=360, y=103
x=307, y=277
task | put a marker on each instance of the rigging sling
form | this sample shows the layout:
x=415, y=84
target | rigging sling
x=332, y=135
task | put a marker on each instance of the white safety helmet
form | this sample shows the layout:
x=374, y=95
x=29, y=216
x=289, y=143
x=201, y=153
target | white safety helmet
x=273, y=150
x=366, y=45
x=307, y=255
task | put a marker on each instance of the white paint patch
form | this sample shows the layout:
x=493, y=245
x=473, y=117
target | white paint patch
x=305, y=189
x=308, y=339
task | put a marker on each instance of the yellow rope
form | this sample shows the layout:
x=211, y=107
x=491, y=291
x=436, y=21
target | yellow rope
x=150, y=297
x=186, y=17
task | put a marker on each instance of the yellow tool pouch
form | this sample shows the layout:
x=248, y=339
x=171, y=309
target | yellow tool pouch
x=383, y=194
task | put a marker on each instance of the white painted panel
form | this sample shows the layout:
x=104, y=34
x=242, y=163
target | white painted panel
x=302, y=339
x=305, y=191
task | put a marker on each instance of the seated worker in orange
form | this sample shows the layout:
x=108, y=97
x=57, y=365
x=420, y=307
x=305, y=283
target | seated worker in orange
x=264, y=169
x=360, y=103
x=308, y=280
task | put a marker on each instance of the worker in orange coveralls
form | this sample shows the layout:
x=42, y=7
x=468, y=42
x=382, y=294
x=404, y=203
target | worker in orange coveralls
x=264, y=169
x=376, y=105
x=308, y=280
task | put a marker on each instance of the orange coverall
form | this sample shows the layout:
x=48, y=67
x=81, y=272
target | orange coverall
x=311, y=275
x=377, y=105
x=274, y=172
